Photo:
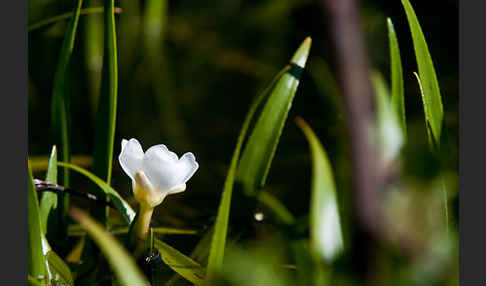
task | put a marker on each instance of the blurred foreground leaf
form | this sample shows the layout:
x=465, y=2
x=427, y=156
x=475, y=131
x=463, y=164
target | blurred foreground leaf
x=325, y=224
x=124, y=266
x=389, y=133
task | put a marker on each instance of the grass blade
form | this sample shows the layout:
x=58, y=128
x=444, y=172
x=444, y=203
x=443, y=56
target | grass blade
x=58, y=269
x=397, y=87
x=180, y=263
x=61, y=121
x=60, y=96
x=49, y=199
x=325, y=226
x=108, y=192
x=262, y=143
x=389, y=133
x=430, y=86
x=218, y=241
x=36, y=258
x=124, y=266
x=106, y=114
x=52, y=20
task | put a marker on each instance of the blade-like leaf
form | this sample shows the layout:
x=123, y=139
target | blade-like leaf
x=325, y=226
x=397, y=88
x=36, y=257
x=106, y=114
x=58, y=269
x=218, y=242
x=108, y=191
x=430, y=86
x=33, y=281
x=60, y=96
x=41, y=163
x=123, y=265
x=61, y=121
x=76, y=230
x=262, y=143
x=180, y=263
x=389, y=133
x=49, y=199
x=52, y=20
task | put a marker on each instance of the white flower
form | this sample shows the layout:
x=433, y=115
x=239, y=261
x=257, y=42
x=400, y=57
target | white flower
x=157, y=172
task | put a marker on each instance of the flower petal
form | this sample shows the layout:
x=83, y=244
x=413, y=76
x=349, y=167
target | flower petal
x=131, y=157
x=161, y=167
x=177, y=189
x=189, y=165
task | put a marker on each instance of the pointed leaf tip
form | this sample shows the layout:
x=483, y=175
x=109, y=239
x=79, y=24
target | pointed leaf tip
x=302, y=53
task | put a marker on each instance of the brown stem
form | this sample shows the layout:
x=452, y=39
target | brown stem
x=353, y=69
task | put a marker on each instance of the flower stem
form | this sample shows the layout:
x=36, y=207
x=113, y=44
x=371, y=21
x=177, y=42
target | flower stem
x=140, y=229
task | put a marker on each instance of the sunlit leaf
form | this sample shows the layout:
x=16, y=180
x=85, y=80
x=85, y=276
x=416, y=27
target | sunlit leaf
x=430, y=86
x=121, y=205
x=58, y=269
x=126, y=270
x=49, y=199
x=36, y=258
x=325, y=224
x=259, y=151
x=180, y=263
x=397, y=87
x=218, y=242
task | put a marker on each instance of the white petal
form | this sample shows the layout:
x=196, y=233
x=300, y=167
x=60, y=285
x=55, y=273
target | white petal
x=162, y=168
x=189, y=165
x=177, y=189
x=131, y=157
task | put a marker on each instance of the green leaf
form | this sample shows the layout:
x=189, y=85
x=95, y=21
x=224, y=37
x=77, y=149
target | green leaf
x=397, y=87
x=58, y=269
x=76, y=230
x=430, y=87
x=36, y=258
x=60, y=97
x=123, y=265
x=52, y=20
x=218, y=241
x=106, y=114
x=325, y=227
x=33, y=281
x=120, y=204
x=262, y=143
x=49, y=199
x=389, y=133
x=180, y=263
x=61, y=122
